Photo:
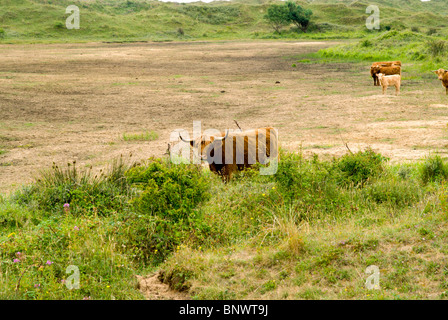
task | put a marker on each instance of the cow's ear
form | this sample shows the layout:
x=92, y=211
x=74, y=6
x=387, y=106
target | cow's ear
x=445, y=71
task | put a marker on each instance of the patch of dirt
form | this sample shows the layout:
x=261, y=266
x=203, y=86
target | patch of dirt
x=154, y=289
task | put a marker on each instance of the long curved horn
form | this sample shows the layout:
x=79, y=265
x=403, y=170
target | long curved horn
x=187, y=141
x=222, y=138
x=184, y=140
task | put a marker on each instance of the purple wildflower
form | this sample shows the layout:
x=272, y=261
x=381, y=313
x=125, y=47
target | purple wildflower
x=49, y=262
x=16, y=260
x=66, y=205
x=76, y=228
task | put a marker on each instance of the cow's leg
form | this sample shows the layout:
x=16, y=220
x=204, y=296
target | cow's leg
x=446, y=90
x=226, y=173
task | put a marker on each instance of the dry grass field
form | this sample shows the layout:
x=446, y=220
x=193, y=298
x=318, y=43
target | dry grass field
x=93, y=102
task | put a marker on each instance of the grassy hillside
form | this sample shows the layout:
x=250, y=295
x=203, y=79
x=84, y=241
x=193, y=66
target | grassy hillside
x=307, y=232
x=146, y=20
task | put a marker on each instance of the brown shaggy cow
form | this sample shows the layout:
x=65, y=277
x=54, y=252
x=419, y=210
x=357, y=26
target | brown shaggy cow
x=373, y=69
x=234, y=151
x=442, y=74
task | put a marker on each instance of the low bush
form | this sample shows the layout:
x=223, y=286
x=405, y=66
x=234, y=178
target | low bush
x=357, y=168
x=311, y=184
x=166, y=206
x=169, y=191
x=434, y=169
x=393, y=192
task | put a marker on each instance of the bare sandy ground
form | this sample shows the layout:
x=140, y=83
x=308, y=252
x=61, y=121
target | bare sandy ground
x=65, y=102
x=153, y=289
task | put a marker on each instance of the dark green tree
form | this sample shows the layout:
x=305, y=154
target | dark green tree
x=278, y=16
x=298, y=15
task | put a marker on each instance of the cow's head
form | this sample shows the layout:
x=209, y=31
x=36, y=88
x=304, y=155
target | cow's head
x=202, y=143
x=374, y=70
x=440, y=73
x=380, y=76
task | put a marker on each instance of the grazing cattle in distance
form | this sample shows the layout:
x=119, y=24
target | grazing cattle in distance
x=386, y=70
x=391, y=80
x=442, y=74
x=374, y=70
x=235, y=151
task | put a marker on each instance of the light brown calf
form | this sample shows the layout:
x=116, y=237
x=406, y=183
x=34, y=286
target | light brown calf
x=391, y=80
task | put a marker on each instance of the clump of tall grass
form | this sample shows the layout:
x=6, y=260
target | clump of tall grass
x=434, y=169
x=436, y=47
x=287, y=227
x=394, y=192
x=358, y=168
x=82, y=189
x=58, y=176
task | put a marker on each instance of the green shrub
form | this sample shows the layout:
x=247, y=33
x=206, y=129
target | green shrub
x=394, y=192
x=59, y=25
x=151, y=239
x=310, y=184
x=436, y=47
x=167, y=210
x=431, y=31
x=358, y=168
x=13, y=215
x=168, y=190
x=366, y=43
x=434, y=169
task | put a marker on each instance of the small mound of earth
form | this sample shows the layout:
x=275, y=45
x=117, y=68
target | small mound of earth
x=154, y=289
